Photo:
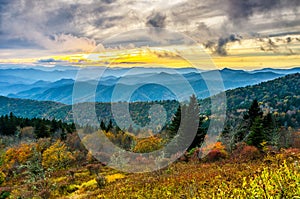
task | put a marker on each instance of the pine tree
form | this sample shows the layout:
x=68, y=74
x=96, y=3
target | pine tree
x=254, y=111
x=257, y=135
x=249, y=118
x=54, y=126
x=174, y=126
x=41, y=130
x=130, y=129
x=102, y=125
x=188, y=125
x=109, y=126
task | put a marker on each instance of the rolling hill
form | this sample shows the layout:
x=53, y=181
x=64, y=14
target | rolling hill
x=280, y=95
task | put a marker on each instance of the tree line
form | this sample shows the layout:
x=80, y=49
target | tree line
x=12, y=125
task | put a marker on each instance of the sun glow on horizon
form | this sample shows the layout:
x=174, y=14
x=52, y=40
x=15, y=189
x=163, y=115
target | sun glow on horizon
x=244, y=54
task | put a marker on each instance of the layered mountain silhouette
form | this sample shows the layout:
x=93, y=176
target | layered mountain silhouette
x=142, y=84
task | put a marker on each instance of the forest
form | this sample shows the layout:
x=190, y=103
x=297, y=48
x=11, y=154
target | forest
x=255, y=156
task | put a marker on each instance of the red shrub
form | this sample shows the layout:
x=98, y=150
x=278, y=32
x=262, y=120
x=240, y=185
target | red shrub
x=216, y=154
x=246, y=152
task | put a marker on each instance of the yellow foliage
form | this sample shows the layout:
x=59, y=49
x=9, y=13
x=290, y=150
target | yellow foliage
x=89, y=184
x=57, y=156
x=2, y=177
x=114, y=177
x=147, y=145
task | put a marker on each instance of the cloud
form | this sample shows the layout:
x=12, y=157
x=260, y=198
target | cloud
x=73, y=25
x=221, y=47
x=49, y=60
x=156, y=20
x=71, y=43
x=241, y=10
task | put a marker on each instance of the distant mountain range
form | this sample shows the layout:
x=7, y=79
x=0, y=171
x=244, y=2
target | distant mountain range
x=147, y=84
x=280, y=95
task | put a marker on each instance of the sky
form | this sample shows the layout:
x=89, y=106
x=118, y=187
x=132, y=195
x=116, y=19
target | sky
x=235, y=33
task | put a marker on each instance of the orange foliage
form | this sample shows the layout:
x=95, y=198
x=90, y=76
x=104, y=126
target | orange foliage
x=217, y=152
x=18, y=155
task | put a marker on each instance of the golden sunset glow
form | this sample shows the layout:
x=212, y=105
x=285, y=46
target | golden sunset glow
x=245, y=54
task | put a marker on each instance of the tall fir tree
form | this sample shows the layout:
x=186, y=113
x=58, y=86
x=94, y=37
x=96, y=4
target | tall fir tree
x=175, y=124
x=256, y=135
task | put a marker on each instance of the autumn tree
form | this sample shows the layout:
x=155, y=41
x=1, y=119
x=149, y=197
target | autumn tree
x=57, y=156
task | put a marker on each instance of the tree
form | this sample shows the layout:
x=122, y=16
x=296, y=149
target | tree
x=201, y=133
x=195, y=123
x=54, y=126
x=244, y=129
x=130, y=129
x=102, y=125
x=57, y=156
x=186, y=123
x=270, y=129
x=8, y=124
x=41, y=130
x=253, y=112
x=256, y=135
x=109, y=126
x=174, y=126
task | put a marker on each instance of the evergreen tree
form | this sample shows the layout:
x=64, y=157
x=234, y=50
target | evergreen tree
x=174, y=126
x=41, y=130
x=102, y=125
x=188, y=123
x=201, y=133
x=253, y=112
x=257, y=135
x=270, y=129
x=54, y=126
x=10, y=125
x=109, y=126
x=130, y=129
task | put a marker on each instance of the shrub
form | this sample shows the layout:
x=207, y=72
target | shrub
x=290, y=154
x=16, y=156
x=101, y=181
x=93, y=168
x=246, y=152
x=2, y=177
x=148, y=145
x=282, y=182
x=43, y=144
x=217, y=152
x=4, y=194
x=57, y=156
x=27, y=132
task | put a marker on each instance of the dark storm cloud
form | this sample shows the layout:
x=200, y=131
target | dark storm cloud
x=3, y=5
x=240, y=11
x=108, y=1
x=222, y=42
x=98, y=19
x=243, y=9
x=156, y=20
